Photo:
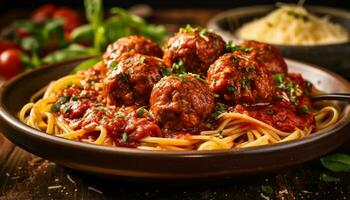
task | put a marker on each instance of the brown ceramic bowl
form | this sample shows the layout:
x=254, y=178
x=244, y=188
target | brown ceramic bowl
x=124, y=162
x=332, y=56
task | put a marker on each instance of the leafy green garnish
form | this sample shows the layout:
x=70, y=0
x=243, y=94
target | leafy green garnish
x=165, y=71
x=187, y=29
x=304, y=110
x=231, y=89
x=231, y=47
x=219, y=109
x=86, y=64
x=72, y=51
x=56, y=106
x=329, y=179
x=178, y=67
x=279, y=79
x=83, y=33
x=140, y=112
x=293, y=100
x=245, y=81
x=266, y=189
x=336, y=162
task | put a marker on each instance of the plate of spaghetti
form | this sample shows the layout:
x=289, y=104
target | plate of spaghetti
x=198, y=107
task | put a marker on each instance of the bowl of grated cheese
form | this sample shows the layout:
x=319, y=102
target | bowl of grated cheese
x=314, y=34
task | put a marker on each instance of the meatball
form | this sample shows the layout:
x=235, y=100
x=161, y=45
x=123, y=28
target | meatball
x=131, y=78
x=240, y=78
x=268, y=54
x=181, y=102
x=196, y=48
x=134, y=43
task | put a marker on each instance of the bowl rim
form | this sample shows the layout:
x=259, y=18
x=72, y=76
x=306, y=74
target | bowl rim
x=12, y=121
x=212, y=23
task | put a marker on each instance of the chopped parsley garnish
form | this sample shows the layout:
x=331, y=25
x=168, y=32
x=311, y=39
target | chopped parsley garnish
x=293, y=100
x=304, y=110
x=266, y=189
x=125, y=137
x=178, y=67
x=140, y=112
x=187, y=29
x=183, y=76
x=197, y=76
x=203, y=32
x=231, y=47
x=55, y=107
x=75, y=98
x=279, y=78
x=112, y=65
x=231, y=89
x=245, y=82
x=166, y=71
x=219, y=109
x=208, y=125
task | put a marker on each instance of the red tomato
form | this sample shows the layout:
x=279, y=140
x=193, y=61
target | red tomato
x=43, y=13
x=10, y=63
x=70, y=18
x=6, y=44
x=22, y=32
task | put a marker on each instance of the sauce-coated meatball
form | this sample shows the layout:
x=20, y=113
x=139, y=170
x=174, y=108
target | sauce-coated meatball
x=240, y=78
x=181, y=102
x=196, y=48
x=133, y=43
x=130, y=79
x=268, y=54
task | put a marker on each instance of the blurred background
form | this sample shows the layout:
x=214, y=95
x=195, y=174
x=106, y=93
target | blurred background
x=46, y=32
x=168, y=12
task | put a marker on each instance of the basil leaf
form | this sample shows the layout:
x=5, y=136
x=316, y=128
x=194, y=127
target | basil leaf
x=86, y=64
x=63, y=54
x=94, y=11
x=336, y=162
x=140, y=112
x=30, y=44
x=83, y=33
x=56, y=106
x=329, y=179
x=54, y=27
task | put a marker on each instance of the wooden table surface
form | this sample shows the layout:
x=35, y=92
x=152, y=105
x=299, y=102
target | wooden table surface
x=26, y=176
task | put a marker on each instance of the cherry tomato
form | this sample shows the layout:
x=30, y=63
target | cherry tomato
x=22, y=32
x=43, y=13
x=70, y=18
x=10, y=63
x=6, y=44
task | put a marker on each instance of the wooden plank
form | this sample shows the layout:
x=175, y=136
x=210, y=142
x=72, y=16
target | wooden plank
x=25, y=176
